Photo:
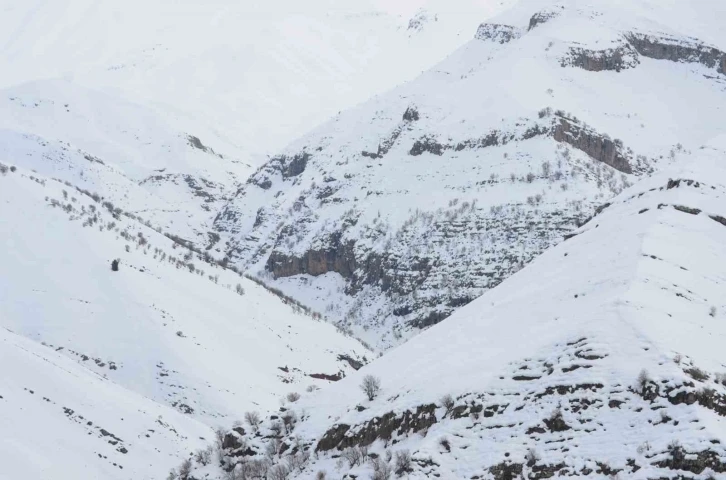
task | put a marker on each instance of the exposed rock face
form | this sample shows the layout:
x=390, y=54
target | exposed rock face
x=336, y=257
x=614, y=59
x=543, y=16
x=497, y=33
x=285, y=166
x=678, y=50
x=379, y=428
x=597, y=146
x=426, y=144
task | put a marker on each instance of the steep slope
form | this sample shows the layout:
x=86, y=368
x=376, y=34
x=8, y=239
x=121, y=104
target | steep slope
x=395, y=213
x=60, y=420
x=260, y=73
x=139, y=160
x=603, y=357
x=167, y=334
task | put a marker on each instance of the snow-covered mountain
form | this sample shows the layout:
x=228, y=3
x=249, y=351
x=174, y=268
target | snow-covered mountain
x=142, y=161
x=393, y=214
x=120, y=374
x=258, y=73
x=164, y=107
x=602, y=358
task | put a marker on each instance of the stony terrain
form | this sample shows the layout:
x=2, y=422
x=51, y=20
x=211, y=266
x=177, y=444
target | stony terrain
x=601, y=358
x=394, y=214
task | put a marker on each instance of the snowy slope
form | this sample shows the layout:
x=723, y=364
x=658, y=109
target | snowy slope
x=395, y=213
x=162, y=107
x=168, y=336
x=260, y=73
x=602, y=357
x=141, y=161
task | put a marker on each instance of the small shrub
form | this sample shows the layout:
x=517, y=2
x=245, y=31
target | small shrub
x=644, y=448
x=239, y=289
x=203, y=456
x=530, y=177
x=447, y=401
x=279, y=472
x=382, y=470
x=293, y=397
x=276, y=428
x=697, y=374
x=185, y=469
x=353, y=456
x=371, y=386
x=289, y=419
x=320, y=475
x=643, y=379
x=403, y=462
x=444, y=442
x=531, y=457
x=253, y=420
x=712, y=311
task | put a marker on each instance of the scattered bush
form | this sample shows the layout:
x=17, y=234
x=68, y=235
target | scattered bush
x=239, y=289
x=371, y=386
x=353, y=456
x=204, y=456
x=447, y=401
x=403, y=462
x=185, y=469
x=644, y=448
x=643, y=379
x=697, y=374
x=289, y=419
x=530, y=177
x=320, y=475
x=293, y=397
x=382, y=470
x=279, y=472
x=712, y=311
x=531, y=457
x=253, y=420
x=444, y=442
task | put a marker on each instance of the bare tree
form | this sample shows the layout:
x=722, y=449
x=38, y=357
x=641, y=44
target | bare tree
x=371, y=386
x=353, y=455
x=403, y=462
x=289, y=419
x=253, y=420
x=382, y=470
x=279, y=472
x=447, y=401
x=185, y=469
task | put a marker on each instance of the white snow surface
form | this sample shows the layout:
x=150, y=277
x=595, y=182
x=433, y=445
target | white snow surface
x=433, y=230
x=152, y=349
x=641, y=287
x=259, y=73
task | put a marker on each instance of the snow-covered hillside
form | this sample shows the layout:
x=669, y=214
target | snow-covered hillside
x=603, y=358
x=395, y=213
x=259, y=73
x=119, y=374
x=163, y=107
x=139, y=160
